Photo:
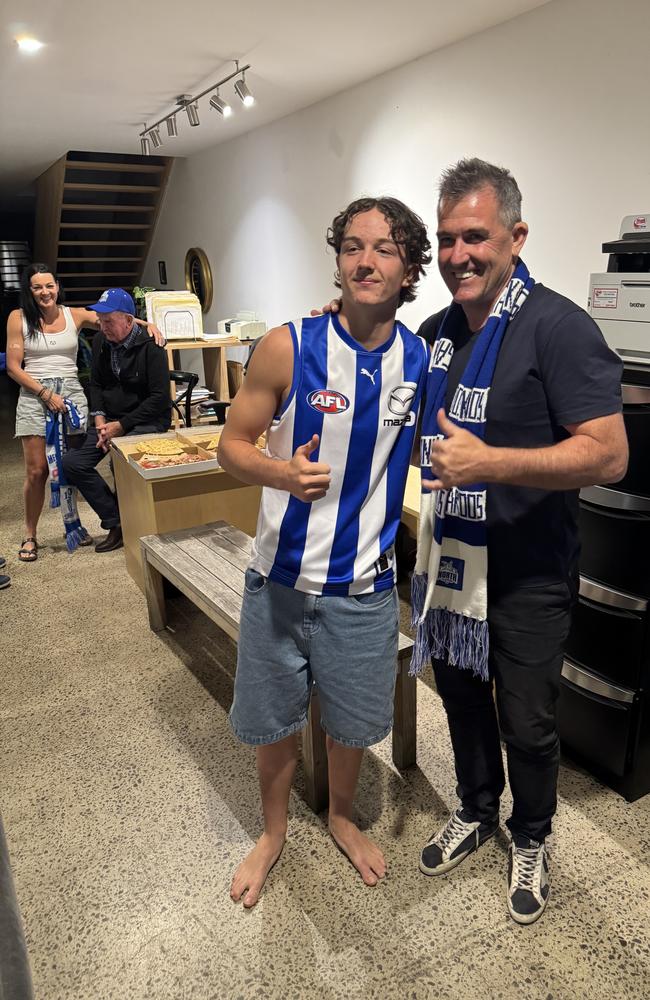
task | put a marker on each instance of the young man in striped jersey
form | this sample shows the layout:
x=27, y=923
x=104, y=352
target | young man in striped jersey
x=338, y=396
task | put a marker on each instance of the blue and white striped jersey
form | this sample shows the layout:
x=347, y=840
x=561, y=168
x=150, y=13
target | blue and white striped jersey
x=363, y=405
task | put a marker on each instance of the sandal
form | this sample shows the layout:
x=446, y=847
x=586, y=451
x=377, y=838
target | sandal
x=28, y=555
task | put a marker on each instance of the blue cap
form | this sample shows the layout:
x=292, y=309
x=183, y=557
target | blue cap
x=114, y=300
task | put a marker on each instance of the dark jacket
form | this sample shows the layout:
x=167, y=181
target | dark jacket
x=141, y=395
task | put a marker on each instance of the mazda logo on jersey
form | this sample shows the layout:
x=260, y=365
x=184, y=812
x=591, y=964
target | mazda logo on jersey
x=400, y=399
x=328, y=401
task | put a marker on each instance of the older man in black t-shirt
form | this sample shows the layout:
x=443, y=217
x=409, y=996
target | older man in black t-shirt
x=553, y=425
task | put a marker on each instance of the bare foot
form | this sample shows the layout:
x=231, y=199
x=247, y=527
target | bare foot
x=364, y=855
x=251, y=875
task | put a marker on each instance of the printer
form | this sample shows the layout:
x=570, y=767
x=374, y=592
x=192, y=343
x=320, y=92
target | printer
x=619, y=300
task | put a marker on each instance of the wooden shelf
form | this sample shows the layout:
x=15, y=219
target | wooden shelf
x=76, y=207
x=126, y=188
x=120, y=168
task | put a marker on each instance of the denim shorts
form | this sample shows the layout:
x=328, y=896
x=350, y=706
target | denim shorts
x=288, y=639
x=31, y=411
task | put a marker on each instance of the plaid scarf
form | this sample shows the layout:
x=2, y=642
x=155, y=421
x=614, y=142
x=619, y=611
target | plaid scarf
x=63, y=495
x=449, y=585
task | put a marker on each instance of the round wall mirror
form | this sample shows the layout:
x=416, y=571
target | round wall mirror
x=198, y=276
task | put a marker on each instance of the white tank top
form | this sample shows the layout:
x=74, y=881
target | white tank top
x=52, y=355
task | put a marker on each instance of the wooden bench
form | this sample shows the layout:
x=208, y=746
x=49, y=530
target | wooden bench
x=207, y=564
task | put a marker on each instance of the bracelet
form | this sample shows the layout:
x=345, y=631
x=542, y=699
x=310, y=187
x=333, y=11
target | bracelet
x=43, y=389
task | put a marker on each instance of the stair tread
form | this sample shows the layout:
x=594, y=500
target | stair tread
x=140, y=168
x=104, y=225
x=126, y=188
x=102, y=243
x=96, y=260
x=107, y=208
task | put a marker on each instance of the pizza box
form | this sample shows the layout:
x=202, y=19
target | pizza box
x=208, y=463
x=200, y=440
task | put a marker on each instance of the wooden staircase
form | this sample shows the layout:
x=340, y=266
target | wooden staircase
x=95, y=217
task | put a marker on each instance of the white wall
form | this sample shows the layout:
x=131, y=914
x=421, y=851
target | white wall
x=559, y=95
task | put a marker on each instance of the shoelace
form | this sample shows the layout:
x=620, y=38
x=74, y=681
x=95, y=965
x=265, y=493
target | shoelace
x=453, y=830
x=525, y=863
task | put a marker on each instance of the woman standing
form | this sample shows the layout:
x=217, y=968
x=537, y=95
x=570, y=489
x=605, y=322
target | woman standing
x=42, y=343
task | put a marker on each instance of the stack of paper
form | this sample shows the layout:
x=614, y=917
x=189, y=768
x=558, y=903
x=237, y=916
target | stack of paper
x=177, y=314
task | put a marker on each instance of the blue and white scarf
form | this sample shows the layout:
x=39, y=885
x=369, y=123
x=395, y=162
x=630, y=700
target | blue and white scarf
x=63, y=495
x=449, y=585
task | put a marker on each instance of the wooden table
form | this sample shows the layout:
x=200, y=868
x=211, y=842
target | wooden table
x=155, y=506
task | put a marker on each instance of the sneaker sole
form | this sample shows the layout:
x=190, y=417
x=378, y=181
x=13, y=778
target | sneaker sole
x=526, y=918
x=447, y=866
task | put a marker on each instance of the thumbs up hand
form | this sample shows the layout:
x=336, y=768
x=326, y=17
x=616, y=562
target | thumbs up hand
x=307, y=480
x=459, y=459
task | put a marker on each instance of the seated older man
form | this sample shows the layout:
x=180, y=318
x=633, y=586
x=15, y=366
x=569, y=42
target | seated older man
x=129, y=394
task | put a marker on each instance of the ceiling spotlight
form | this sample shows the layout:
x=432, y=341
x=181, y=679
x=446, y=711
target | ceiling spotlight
x=192, y=113
x=244, y=93
x=189, y=103
x=172, y=128
x=29, y=44
x=220, y=105
x=144, y=146
x=154, y=135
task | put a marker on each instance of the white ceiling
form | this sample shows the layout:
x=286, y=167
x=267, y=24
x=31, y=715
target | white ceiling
x=107, y=67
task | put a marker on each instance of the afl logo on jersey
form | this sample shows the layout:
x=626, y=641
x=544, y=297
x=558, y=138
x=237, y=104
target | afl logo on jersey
x=328, y=401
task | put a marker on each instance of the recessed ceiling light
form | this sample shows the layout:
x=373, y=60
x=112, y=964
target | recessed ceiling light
x=29, y=44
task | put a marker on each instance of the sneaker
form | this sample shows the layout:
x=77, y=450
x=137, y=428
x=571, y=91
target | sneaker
x=451, y=845
x=528, y=881
x=4, y=581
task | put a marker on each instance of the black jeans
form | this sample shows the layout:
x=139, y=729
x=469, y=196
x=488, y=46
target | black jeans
x=80, y=468
x=528, y=629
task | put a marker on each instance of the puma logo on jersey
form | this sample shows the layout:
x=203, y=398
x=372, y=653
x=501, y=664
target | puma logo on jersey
x=371, y=376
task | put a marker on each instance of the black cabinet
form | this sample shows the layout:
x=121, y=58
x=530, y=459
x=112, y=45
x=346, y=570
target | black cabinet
x=604, y=710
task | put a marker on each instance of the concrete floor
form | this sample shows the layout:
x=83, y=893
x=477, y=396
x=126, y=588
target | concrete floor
x=127, y=804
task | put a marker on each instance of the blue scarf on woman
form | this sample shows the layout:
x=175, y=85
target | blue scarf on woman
x=449, y=585
x=62, y=494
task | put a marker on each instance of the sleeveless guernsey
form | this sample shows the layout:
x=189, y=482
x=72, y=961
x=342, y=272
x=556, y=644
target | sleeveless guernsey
x=52, y=355
x=363, y=405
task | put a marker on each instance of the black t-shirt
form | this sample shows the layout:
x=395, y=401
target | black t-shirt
x=554, y=368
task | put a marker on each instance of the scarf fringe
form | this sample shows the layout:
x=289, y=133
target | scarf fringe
x=460, y=640
x=74, y=534
x=446, y=635
x=419, y=584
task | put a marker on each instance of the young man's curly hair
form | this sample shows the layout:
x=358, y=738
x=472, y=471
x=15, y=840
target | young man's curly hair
x=406, y=228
